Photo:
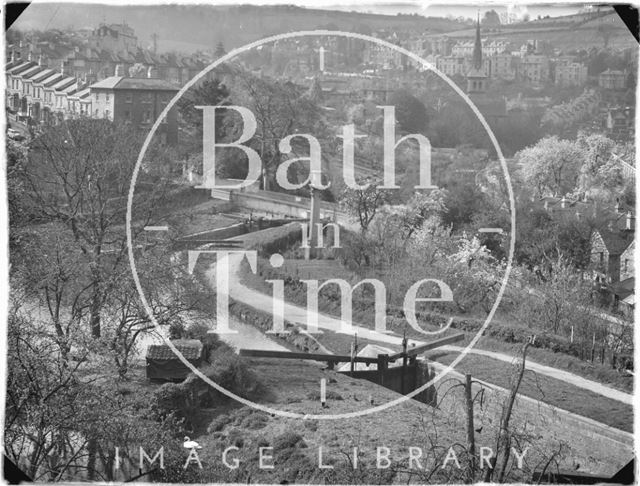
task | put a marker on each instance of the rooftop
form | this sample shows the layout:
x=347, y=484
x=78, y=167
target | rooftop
x=189, y=348
x=121, y=82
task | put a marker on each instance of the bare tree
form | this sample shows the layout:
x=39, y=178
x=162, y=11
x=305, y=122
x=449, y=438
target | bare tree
x=280, y=109
x=364, y=203
x=78, y=175
x=503, y=446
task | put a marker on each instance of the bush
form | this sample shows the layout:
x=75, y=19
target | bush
x=210, y=342
x=287, y=441
x=261, y=442
x=218, y=423
x=255, y=421
x=168, y=399
x=176, y=330
x=230, y=372
x=236, y=438
x=312, y=425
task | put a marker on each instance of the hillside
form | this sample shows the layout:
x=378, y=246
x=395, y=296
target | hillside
x=568, y=32
x=205, y=26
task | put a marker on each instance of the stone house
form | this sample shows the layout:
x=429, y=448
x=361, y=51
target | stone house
x=607, y=247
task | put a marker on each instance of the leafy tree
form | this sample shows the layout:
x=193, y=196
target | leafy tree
x=491, y=19
x=169, y=291
x=363, y=204
x=557, y=302
x=551, y=166
x=472, y=275
x=280, y=109
x=411, y=113
x=210, y=92
x=601, y=176
x=542, y=239
x=462, y=202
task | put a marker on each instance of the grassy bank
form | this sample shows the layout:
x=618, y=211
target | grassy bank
x=363, y=315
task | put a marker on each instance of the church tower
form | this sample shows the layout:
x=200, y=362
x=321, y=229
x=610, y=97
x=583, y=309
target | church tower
x=476, y=77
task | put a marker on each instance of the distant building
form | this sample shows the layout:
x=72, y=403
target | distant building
x=620, y=122
x=533, y=68
x=612, y=258
x=614, y=80
x=114, y=37
x=452, y=65
x=489, y=48
x=609, y=244
x=477, y=77
x=384, y=57
x=504, y=66
x=441, y=45
x=569, y=73
x=36, y=93
x=138, y=101
x=493, y=109
x=627, y=260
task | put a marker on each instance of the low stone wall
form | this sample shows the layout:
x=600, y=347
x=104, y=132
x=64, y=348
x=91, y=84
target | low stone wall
x=220, y=233
x=283, y=205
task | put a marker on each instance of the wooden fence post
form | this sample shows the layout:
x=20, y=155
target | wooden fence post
x=470, y=430
x=383, y=364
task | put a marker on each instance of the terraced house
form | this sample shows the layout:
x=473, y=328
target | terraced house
x=38, y=95
x=138, y=101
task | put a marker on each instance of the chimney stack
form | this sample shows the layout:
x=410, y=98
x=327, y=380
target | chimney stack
x=629, y=225
x=29, y=56
x=119, y=70
x=40, y=61
x=13, y=55
x=152, y=72
x=563, y=202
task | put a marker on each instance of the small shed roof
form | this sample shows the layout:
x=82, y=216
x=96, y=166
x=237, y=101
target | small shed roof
x=189, y=348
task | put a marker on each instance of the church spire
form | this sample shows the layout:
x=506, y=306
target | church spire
x=477, y=48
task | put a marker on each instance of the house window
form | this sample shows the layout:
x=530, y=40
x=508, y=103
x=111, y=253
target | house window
x=146, y=116
x=626, y=265
x=107, y=97
x=146, y=98
x=128, y=98
x=127, y=115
